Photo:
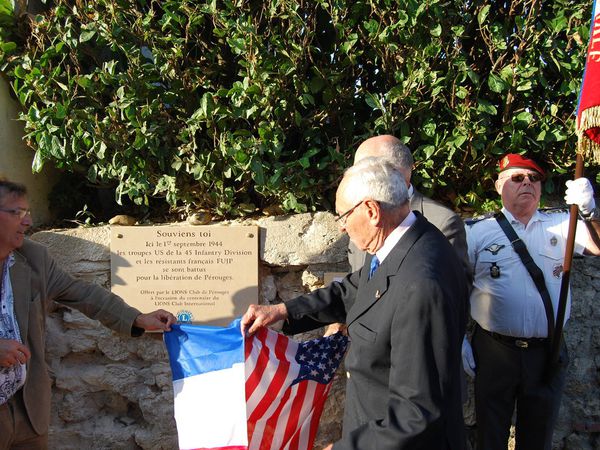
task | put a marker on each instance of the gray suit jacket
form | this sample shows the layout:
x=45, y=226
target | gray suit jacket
x=37, y=281
x=445, y=220
x=406, y=326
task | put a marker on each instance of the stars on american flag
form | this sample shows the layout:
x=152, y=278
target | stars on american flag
x=319, y=358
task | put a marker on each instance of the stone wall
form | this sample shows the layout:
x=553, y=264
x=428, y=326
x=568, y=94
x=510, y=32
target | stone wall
x=114, y=392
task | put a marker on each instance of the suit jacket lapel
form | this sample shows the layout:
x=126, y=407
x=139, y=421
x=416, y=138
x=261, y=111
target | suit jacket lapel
x=371, y=291
x=20, y=279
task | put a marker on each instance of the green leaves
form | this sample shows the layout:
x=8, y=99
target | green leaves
x=214, y=105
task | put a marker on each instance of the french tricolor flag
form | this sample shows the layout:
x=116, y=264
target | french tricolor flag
x=264, y=393
x=208, y=383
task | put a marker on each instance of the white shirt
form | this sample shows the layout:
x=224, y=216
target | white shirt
x=510, y=303
x=13, y=377
x=393, y=238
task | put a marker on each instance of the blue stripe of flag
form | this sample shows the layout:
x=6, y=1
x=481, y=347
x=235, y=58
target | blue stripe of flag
x=195, y=349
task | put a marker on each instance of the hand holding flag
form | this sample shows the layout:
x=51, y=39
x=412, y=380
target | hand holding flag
x=258, y=316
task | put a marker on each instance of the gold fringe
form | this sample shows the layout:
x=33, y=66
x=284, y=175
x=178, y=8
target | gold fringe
x=585, y=146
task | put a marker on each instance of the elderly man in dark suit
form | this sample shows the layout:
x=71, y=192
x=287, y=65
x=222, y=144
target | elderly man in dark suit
x=405, y=310
x=29, y=281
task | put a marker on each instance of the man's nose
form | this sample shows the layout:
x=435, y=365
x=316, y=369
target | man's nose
x=27, y=220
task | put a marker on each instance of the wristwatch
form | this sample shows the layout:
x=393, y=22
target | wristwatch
x=594, y=215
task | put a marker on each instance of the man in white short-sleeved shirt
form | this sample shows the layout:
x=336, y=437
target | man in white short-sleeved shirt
x=510, y=344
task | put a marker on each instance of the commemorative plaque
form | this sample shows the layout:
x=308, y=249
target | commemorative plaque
x=202, y=274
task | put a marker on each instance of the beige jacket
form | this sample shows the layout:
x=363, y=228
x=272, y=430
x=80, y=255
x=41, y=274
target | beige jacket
x=37, y=281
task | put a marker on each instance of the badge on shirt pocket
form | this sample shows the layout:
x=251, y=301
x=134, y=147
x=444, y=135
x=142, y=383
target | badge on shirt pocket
x=553, y=264
x=493, y=260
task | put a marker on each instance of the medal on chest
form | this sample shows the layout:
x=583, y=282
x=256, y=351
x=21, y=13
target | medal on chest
x=494, y=271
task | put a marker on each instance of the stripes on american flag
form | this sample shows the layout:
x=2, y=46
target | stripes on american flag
x=286, y=387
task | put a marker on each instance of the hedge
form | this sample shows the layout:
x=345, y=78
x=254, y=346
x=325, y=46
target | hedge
x=238, y=107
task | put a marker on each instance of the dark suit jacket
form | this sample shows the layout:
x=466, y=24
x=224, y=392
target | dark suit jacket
x=36, y=281
x=406, y=326
x=446, y=220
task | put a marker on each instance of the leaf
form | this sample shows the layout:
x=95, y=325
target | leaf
x=429, y=128
x=372, y=101
x=428, y=151
x=84, y=81
x=86, y=35
x=496, y=84
x=20, y=72
x=61, y=111
x=461, y=92
x=486, y=107
x=523, y=119
x=371, y=26
x=38, y=162
x=8, y=47
x=482, y=14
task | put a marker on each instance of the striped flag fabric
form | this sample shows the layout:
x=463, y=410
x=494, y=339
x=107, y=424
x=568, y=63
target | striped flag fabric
x=588, y=108
x=285, y=385
x=207, y=364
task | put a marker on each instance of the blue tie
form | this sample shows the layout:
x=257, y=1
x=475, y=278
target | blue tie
x=374, y=266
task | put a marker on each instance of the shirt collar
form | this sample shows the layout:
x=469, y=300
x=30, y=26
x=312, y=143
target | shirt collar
x=393, y=238
x=537, y=217
x=10, y=260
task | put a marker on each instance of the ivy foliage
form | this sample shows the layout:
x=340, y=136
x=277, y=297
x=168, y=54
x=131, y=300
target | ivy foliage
x=239, y=106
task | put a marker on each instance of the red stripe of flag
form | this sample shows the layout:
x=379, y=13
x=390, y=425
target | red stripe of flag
x=274, y=386
x=261, y=363
x=292, y=426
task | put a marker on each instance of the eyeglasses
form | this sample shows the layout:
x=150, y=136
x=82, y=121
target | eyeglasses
x=19, y=212
x=519, y=177
x=344, y=217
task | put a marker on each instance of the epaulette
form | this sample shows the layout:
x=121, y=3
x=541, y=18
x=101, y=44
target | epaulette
x=554, y=209
x=473, y=220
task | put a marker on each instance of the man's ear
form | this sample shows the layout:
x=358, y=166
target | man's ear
x=499, y=185
x=373, y=211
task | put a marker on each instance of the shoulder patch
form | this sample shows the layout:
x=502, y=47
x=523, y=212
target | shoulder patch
x=473, y=220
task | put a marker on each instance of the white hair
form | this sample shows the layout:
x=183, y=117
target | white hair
x=377, y=179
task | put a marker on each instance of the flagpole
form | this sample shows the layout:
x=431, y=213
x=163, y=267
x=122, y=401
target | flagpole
x=564, y=284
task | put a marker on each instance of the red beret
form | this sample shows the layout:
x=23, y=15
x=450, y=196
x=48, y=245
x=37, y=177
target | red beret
x=513, y=160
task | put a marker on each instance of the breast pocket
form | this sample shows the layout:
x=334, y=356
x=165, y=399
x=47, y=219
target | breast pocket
x=495, y=267
x=365, y=333
x=552, y=265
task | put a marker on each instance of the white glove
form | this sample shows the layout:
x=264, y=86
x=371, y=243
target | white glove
x=467, y=357
x=581, y=193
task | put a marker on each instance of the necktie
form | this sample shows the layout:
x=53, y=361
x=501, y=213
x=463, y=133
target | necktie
x=374, y=266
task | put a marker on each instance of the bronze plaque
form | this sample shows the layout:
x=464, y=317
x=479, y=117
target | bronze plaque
x=202, y=274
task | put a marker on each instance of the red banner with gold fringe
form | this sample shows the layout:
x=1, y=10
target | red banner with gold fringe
x=588, y=109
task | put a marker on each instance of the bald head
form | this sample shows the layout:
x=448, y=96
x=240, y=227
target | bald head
x=388, y=147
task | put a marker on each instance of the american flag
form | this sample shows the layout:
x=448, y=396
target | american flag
x=286, y=387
